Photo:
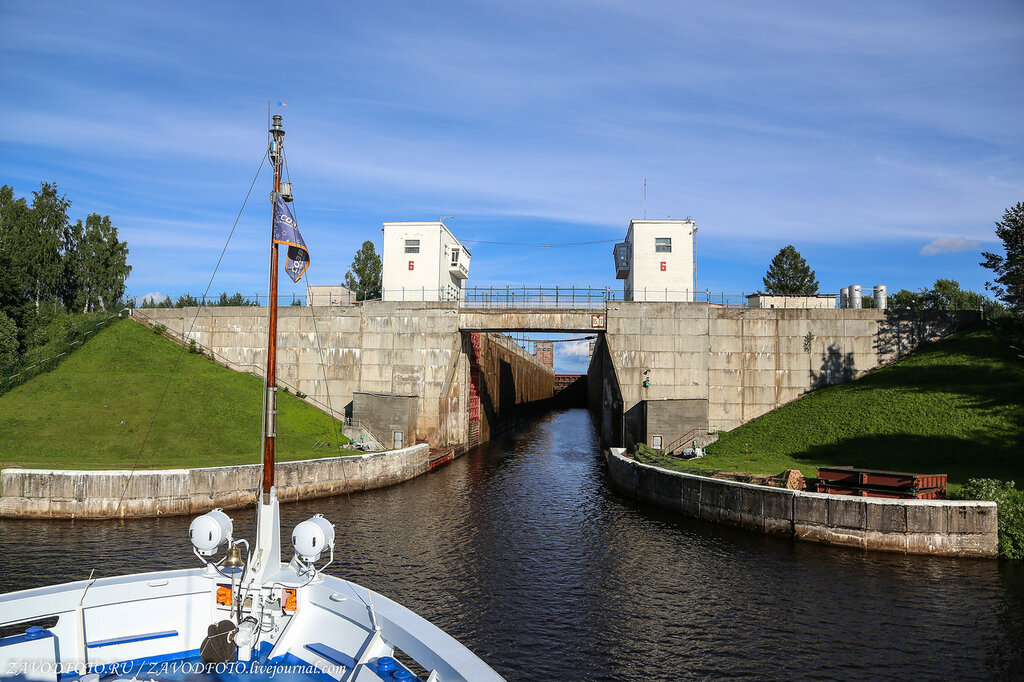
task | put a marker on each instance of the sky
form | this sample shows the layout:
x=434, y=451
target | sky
x=881, y=139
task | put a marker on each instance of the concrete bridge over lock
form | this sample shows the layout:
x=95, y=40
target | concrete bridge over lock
x=532, y=320
x=447, y=374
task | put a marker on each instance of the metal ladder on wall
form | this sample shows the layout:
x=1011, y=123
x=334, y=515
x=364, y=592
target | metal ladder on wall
x=473, y=437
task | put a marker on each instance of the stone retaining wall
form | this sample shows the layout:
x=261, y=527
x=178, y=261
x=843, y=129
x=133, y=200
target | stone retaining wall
x=943, y=527
x=41, y=493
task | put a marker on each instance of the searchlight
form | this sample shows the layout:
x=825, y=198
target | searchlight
x=210, y=531
x=313, y=537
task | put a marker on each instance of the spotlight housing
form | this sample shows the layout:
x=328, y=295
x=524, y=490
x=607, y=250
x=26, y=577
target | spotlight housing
x=210, y=531
x=312, y=537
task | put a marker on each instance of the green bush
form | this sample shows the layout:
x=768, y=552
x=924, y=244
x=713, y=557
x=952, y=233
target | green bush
x=1011, y=511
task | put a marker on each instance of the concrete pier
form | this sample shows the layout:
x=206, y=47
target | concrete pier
x=41, y=494
x=940, y=527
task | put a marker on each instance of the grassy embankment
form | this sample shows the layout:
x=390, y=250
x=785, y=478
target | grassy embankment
x=94, y=410
x=954, y=407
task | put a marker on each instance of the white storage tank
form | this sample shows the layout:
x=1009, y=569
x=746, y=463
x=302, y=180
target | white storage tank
x=844, y=297
x=855, y=296
x=880, y=296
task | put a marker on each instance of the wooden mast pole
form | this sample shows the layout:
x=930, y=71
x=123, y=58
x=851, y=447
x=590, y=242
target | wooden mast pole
x=270, y=421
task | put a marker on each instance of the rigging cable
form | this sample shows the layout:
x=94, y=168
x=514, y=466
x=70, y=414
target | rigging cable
x=186, y=335
x=319, y=345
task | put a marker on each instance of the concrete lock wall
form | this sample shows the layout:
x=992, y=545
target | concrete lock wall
x=941, y=527
x=37, y=493
x=746, y=362
x=376, y=347
x=513, y=385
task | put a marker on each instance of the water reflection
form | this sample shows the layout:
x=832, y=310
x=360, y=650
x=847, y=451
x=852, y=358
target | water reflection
x=521, y=551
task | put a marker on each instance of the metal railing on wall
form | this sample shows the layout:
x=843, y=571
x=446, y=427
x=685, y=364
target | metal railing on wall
x=537, y=296
x=509, y=296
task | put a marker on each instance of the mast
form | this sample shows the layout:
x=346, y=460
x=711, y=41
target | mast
x=276, y=153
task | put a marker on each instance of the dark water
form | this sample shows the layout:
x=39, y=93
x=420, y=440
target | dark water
x=521, y=551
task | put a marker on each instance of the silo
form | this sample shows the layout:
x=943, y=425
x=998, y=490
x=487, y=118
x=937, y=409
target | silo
x=855, y=296
x=844, y=297
x=880, y=297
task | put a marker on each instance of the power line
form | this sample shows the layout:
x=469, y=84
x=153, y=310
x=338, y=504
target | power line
x=539, y=246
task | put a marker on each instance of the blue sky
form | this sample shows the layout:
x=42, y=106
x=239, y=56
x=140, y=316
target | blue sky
x=882, y=139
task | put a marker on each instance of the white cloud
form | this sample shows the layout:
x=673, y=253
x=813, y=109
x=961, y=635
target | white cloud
x=153, y=297
x=949, y=246
x=575, y=350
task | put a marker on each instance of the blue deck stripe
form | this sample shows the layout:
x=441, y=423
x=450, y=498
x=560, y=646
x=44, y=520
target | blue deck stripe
x=332, y=654
x=131, y=638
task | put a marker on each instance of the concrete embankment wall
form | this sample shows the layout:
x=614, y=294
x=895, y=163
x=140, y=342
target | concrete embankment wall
x=940, y=527
x=38, y=493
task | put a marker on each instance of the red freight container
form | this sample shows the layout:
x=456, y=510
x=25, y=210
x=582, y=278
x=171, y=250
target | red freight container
x=875, y=483
x=908, y=494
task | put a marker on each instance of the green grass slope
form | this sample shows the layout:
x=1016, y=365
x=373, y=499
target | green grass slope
x=94, y=410
x=954, y=407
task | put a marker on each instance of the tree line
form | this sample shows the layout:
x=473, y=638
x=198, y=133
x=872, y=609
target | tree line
x=190, y=301
x=51, y=266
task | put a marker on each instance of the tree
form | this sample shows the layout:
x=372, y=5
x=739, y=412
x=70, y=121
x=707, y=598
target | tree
x=946, y=294
x=49, y=265
x=904, y=299
x=105, y=263
x=8, y=343
x=45, y=239
x=235, y=299
x=1009, y=285
x=15, y=219
x=365, y=274
x=789, y=275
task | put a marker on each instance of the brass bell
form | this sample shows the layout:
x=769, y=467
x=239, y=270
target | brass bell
x=234, y=558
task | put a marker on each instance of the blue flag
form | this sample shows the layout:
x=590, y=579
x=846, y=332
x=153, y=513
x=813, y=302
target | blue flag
x=287, y=232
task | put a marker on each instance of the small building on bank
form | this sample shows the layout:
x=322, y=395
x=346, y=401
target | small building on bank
x=761, y=300
x=657, y=260
x=330, y=295
x=423, y=261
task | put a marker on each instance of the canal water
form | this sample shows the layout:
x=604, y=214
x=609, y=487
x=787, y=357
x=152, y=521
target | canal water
x=521, y=551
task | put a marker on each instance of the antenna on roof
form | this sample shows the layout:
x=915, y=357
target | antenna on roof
x=645, y=198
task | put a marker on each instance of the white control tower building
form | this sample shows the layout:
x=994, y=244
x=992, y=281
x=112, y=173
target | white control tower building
x=657, y=260
x=423, y=262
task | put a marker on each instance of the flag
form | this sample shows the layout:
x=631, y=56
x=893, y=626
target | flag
x=282, y=104
x=287, y=232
